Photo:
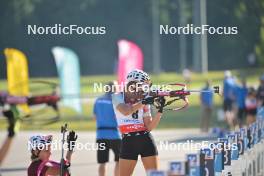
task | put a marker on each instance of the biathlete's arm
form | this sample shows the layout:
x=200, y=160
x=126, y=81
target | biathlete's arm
x=56, y=170
x=151, y=123
x=127, y=109
x=68, y=156
x=71, y=140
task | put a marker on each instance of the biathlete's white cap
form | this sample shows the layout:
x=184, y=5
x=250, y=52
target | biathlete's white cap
x=137, y=75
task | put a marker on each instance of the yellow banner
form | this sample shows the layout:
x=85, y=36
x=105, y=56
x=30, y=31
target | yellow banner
x=17, y=75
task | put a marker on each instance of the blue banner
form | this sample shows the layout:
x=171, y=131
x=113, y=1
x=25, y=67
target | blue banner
x=67, y=63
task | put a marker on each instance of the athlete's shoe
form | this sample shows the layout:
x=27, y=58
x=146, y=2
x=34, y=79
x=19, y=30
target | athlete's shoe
x=12, y=118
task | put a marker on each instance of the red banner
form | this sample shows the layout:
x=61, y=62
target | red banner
x=130, y=57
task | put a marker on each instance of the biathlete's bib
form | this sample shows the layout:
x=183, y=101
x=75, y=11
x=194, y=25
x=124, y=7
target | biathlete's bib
x=133, y=122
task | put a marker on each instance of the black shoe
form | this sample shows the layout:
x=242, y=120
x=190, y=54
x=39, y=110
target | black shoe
x=11, y=121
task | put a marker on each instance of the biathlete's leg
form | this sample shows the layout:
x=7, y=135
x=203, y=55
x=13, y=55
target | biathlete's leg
x=102, y=158
x=101, y=169
x=126, y=167
x=150, y=162
x=115, y=145
x=116, y=171
x=5, y=148
x=12, y=121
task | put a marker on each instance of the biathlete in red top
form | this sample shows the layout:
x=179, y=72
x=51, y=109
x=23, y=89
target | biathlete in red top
x=135, y=122
x=41, y=165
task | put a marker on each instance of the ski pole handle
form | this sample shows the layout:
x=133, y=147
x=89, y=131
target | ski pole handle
x=64, y=128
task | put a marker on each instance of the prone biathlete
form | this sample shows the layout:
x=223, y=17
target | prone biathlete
x=135, y=122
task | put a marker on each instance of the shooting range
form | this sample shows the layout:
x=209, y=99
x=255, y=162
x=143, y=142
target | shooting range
x=63, y=63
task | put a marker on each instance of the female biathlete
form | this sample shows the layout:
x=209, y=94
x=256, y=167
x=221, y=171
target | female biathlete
x=135, y=123
x=41, y=165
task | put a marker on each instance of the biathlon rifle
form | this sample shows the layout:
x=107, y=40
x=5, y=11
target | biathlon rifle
x=180, y=94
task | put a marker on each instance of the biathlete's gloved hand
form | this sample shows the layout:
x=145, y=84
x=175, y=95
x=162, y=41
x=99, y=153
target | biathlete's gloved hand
x=71, y=140
x=148, y=100
x=162, y=102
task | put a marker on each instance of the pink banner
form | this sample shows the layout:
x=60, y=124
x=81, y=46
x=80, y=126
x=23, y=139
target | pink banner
x=130, y=57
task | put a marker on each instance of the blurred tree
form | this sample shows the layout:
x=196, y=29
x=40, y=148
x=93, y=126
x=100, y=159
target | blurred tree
x=234, y=49
x=131, y=20
x=22, y=8
x=256, y=8
x=253, y=10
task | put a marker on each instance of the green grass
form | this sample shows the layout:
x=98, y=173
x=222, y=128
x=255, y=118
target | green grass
x=187, y=118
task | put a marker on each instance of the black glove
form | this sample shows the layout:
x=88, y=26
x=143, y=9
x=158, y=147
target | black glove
x=161, y=102
x=71, y=139
x=148, y=100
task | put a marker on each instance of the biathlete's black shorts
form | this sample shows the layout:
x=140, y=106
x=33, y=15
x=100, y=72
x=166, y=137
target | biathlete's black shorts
x=228, y=103
x=104, y=145
x=133, y=145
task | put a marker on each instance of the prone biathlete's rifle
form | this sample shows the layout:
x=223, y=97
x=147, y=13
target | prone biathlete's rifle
x=176, y=95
